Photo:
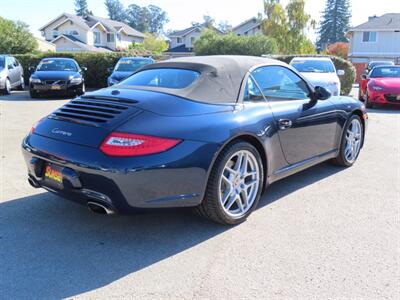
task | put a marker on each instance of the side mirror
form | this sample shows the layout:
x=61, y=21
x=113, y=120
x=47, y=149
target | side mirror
x=32, y=69
x=84, y=69
x=364, y=76
x=110, y=70
x=321, y=93
x=340, y=72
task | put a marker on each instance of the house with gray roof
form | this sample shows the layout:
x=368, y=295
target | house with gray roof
x=377, y=39
x=181, y=42
x=95, y=34
x=249, y=27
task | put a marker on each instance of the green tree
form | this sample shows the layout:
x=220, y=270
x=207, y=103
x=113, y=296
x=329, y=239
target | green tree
x=116, y=10
x=81, y=8
x=212, y=43
x=15, y=37
x=287, y=26
x=152, y=43
x=335, y=22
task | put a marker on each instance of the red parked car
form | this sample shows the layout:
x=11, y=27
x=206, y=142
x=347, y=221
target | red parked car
x=363, y=82
x=383, y=86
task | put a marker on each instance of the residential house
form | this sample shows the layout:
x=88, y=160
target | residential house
x=377, y=39
x=75, y=33
x=181, y=42
x=45, y=46
x=249, y=27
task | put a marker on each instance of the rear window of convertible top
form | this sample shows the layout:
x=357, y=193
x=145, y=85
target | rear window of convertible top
x=163, y=77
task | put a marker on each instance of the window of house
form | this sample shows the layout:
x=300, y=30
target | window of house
x=369, y=36
x=179, y=40
x=72, y=32
x=118, y=37
x=96, y=37
x=55, y=34
x=110, y=38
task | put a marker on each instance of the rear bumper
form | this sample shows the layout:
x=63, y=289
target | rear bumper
x=176, y=178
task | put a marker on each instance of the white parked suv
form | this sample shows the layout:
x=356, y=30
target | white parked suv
x=320, y=71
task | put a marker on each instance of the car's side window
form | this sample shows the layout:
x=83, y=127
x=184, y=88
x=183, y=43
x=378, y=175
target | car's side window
x=10, y=64
x=252, y=92
x=279, y=84
x=16, y=63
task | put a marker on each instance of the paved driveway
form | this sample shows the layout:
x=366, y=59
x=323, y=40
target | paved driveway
x=327, y=232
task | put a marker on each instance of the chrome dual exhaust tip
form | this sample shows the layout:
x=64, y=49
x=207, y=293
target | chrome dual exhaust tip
x=99, y=208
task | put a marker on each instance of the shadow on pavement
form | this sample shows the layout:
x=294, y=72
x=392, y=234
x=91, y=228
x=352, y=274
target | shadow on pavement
x=24, y=96
x=51, y=248
x=388, y=110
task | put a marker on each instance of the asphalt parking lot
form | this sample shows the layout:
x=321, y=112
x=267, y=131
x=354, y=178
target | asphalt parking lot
x=327, y=232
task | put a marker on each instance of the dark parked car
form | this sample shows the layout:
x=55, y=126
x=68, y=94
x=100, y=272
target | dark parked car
x=11, y=74
x=57, y=76
x=125, y=67
x=204, y=132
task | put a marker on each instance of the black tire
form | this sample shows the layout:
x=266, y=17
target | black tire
x=368, y=104
x=21, y=87
x=33, y=94
x=341, y=160
x=7, y=87
x=359, y=95
x=211, y=208
x=81, y=90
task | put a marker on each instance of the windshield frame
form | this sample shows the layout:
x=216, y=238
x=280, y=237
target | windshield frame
x=45, y=61
x=331, y=69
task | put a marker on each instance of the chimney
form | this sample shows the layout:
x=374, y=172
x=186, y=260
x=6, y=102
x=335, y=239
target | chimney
x=372, y=17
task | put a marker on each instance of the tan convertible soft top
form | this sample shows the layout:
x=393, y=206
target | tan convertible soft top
x=220, y=80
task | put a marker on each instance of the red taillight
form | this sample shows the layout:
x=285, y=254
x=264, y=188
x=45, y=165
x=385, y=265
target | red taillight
x=35, y=125
x=127, y=144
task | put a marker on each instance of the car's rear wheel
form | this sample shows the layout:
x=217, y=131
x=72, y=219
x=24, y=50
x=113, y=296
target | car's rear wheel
x=234, y=186
x=351, y=142
x=21, y=86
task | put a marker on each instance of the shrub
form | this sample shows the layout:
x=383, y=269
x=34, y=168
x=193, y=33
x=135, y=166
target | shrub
x=346, y=80
x=96, y=63
x=338, y=49
x=211, y=43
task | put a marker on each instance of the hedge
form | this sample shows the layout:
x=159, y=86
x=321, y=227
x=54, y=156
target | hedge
x=96, y=64
x=346, y=80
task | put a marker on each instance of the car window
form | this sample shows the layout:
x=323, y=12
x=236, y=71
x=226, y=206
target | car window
x=57, y=65
x=10, y=62
x=252, y=92
x=16, y=63
x=131, y=65
x=279, y=83
x=382, y=72
x=163, y=77
x=313, y=66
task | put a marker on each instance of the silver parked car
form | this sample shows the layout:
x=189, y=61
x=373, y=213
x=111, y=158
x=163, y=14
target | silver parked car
x=320, y=71
x=11, y=74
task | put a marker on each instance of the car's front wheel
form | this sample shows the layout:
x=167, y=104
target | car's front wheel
x=368, y=103
x=7, y=87
x=33, y=94
x=21, y=86
x=351, y=142
x=234, y=186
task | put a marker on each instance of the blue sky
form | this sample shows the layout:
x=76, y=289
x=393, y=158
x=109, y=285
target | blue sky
x=182, y=12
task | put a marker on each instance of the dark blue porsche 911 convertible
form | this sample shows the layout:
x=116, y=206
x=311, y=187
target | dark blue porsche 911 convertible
x=205, y=132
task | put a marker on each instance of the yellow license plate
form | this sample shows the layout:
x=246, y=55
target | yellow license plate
x=56, y=87
x=53, y=174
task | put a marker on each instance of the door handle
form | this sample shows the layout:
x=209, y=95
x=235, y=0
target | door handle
x=284, y=124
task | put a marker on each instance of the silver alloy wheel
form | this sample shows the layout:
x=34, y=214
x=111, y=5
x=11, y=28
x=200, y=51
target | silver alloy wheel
x=353, y=141
x=8, y=86
x=239, y=183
